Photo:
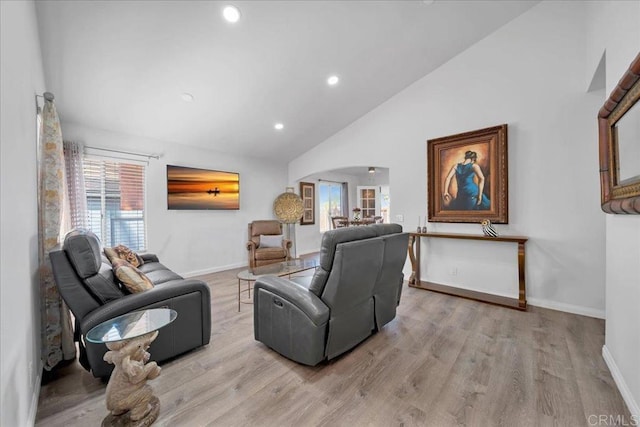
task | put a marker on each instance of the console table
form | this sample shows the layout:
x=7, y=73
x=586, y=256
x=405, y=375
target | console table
x=415, y=282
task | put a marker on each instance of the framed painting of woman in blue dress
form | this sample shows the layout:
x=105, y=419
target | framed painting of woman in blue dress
x=468, y=177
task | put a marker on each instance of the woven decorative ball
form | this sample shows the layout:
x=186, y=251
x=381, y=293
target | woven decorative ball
x=288, y=207
x=487, y=228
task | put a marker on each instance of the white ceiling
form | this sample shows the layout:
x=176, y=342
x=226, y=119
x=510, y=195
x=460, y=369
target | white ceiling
x=123, y=65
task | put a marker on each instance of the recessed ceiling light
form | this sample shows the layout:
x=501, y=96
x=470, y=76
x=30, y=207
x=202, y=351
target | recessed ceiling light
x=187, y=97
x=231, y=14
x=278, y=126
x=333, y=80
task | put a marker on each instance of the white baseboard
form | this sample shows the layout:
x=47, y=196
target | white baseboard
x=553, y=305
x=308, y=252
x=569, y=308
x=619, y=380
x=33, y=409
x=214, y=269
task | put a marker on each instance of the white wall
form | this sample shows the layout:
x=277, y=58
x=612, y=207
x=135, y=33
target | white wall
x=381, y=177
x=308, y=237
x=21, y=78
x=615, y=27
x=195, y=242
x=529, y=74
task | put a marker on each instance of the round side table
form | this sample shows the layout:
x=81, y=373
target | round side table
x=130, y=399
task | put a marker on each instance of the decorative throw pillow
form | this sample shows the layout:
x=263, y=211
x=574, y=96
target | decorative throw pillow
x=271, y=241
x=123, y=252
x=135, y=280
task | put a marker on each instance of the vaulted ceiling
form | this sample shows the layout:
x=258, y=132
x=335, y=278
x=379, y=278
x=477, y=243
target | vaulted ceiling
x=125, y=65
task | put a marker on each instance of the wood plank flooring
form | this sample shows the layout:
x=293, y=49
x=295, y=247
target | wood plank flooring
x=444, y=361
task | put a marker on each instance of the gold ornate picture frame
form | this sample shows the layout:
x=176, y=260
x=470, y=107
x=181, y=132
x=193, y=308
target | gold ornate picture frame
x=308, y=195
x=468, y=177
x=619, y=143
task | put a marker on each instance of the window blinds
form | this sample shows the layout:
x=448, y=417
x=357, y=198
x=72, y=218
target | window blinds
x=115, y=202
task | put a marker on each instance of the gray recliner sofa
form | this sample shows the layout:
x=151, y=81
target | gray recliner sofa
x=87, y=284
x=353, y=293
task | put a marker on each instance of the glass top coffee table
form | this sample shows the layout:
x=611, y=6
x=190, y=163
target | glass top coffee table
x=131, y=325
x=285, y=268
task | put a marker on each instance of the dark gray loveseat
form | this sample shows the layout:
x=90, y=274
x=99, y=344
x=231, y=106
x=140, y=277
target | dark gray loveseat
x=353, y=293
x=88, y=286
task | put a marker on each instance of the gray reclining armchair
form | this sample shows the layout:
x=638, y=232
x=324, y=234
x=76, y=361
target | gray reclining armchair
x=87, y=284
x=354, y=293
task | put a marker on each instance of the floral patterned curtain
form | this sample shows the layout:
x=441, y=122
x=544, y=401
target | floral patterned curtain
x=56, y=331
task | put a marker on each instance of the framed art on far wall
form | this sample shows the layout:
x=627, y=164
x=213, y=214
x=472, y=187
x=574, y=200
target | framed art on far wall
x=202, y=189
x=468, y=177
x=308, y=194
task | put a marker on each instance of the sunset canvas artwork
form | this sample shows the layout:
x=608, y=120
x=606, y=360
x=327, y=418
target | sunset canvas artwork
x=191, y=188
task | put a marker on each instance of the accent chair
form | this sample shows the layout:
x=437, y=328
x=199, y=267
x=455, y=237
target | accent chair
x=353, y=293
x=266, y=243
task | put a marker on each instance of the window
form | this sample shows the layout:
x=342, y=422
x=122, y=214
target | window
x=385, y=203
x=367, y=201
x=331, y=201
x=115, y=202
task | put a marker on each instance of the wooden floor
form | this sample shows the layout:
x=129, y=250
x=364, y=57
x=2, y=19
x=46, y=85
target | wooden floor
x=444, y=361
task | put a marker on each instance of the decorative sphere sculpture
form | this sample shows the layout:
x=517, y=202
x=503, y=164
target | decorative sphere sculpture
x=288, y=207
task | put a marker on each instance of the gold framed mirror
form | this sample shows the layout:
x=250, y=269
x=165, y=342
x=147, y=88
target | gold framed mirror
x=619, y=140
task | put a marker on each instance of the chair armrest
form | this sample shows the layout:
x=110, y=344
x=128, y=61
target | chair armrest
x=139, y=301
x=251, y=247
x=302, y=298
x=149, y=258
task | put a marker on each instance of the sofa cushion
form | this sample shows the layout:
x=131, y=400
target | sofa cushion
x=123, y=252
x=83, y=249
x=158, y=273
x=270, y=253
x=162, y=276
x=148, y=267
x=134, y=280
x=270, y=241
